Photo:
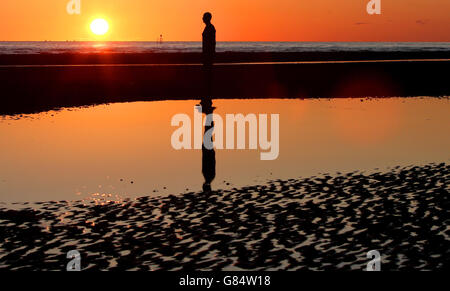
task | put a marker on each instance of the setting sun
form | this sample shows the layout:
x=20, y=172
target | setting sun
x=99, y=27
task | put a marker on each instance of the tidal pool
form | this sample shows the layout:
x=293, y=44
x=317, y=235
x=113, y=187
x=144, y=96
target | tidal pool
x=124, y=150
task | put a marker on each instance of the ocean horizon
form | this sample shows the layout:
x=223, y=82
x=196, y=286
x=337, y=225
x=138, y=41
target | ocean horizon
x=59, y=47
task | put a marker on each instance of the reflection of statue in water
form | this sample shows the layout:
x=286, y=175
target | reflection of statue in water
x=208, y=152
x=208, y=54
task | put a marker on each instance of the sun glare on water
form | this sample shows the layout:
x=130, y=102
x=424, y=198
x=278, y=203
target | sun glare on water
x=99, y=26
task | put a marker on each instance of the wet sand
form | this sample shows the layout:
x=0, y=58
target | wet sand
x=316, y=223
x=222, y=57
x=34, y=83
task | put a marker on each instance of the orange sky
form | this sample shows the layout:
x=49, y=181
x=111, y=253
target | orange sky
x=235, y=20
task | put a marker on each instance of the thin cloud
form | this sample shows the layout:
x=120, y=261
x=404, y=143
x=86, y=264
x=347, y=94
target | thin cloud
x=422, y=21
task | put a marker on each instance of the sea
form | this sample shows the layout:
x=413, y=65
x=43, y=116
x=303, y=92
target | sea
x=58, y=47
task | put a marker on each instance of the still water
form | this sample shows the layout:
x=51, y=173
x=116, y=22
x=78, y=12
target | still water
x=123, y=150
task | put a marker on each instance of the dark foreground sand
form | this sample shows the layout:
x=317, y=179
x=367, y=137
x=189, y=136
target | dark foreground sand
x=317, y=223
x=33, y=83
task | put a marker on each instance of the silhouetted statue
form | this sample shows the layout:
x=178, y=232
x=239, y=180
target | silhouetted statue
x=208, y=152
x=209, y=40
x=208, y=53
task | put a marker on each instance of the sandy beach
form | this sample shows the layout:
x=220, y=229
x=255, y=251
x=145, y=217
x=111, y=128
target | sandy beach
x=315, y=223
x=33, y=83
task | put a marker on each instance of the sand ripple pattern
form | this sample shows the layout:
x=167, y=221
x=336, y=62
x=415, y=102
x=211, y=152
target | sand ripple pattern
x=316, y=223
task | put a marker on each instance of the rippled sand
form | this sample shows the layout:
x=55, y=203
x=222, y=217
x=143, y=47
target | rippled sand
x=316, y=223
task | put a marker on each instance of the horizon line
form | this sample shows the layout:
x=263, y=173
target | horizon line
x=222, y=41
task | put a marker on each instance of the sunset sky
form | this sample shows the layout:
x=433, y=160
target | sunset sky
x=235, y=20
